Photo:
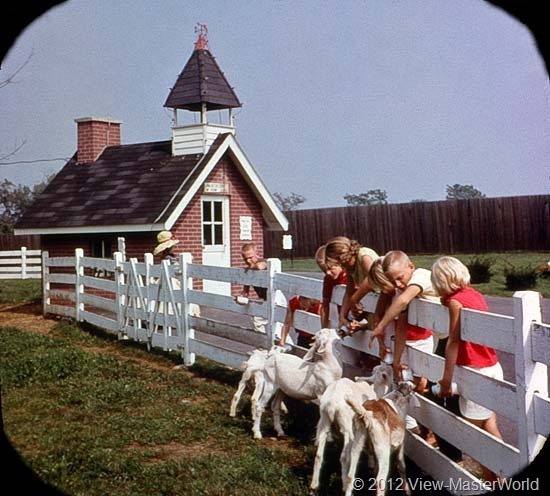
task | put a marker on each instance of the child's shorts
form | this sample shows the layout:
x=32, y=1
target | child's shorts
x=472, y=410
x=426, y=345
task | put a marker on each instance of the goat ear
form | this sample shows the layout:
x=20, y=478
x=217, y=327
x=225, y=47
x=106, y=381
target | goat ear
x=322, y=347
x=310, y=354
x=414, y=400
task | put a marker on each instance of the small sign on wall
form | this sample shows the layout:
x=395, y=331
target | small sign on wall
x=214, y=188
x=245, y=222
x=287, y=242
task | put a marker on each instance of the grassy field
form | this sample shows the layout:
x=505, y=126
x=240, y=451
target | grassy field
x=92, y=416
x=495, y=287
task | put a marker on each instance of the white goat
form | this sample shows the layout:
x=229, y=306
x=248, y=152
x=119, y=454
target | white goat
x=252, y=369
x=298, y=378
x=382, y=424
x=334, y=410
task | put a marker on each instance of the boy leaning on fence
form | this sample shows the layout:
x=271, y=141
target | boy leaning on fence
x=254, y=262
x=410, y=282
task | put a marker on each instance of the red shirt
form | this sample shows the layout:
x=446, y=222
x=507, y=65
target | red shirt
x=415, y=333
x=472, y=354
x=294, y=304
x=329, y=283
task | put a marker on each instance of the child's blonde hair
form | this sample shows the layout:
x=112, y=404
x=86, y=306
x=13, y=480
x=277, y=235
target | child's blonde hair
x=378, y=278
x=449, y=275
x=320, y=257
x=394, y=257
x=340, y=250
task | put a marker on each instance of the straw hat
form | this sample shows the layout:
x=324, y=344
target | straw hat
x=165, y=240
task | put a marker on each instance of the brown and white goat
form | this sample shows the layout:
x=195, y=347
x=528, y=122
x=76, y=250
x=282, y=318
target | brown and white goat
x=381, y=424
x=335, y=411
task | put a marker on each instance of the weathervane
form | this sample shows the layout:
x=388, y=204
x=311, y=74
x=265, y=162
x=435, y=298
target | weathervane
x=202, y=40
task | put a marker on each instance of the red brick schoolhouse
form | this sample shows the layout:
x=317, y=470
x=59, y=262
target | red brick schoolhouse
x=199, y=185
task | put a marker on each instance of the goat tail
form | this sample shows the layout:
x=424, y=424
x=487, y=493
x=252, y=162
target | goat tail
x=358, y=408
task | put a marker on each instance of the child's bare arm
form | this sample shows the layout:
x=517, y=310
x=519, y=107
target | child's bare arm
x=289, y=320
x=325, y=312
x=451, y=348
x=398, y=306
x=365, y=285
x=400, y=341
x=350, y=288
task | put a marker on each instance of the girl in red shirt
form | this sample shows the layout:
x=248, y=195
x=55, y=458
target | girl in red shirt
x=451, y=279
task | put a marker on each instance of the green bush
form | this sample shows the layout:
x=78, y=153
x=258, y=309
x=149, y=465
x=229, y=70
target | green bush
x=480, y=269
x=520, y=278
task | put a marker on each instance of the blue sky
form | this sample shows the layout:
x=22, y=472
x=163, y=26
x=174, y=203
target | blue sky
x=339, y=96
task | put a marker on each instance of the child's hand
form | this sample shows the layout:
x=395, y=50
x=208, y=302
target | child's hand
x=398, y=368
x=355, y=308
x=377, y=333
x=353, y=326
x=446, y=389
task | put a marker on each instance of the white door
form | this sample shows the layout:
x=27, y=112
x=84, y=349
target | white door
x=215, y=239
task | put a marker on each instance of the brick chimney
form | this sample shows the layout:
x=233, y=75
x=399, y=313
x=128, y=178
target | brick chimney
x=94, y=134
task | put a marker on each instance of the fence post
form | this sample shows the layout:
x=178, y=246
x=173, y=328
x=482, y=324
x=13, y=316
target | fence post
x=273, y=267
x=531, y=376
x=121, y=248
x=149, y=262
x=23, y=262
x=45, y=282
x=119, y=269
x=188, y=331
x=78, y=286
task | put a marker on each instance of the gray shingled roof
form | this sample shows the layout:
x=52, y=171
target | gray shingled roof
x=126, y=185
x=202, y=81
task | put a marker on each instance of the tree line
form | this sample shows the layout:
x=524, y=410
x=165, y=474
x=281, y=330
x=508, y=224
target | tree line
x=378, y=197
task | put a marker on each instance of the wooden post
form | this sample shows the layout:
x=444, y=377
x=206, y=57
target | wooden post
x=121, y=243
x=531, y=376
x=273, y=267
x=78, y=286
x=149, y=262
x=45, y=282
x=23, y=262
x=188, y=331
x=119, y=269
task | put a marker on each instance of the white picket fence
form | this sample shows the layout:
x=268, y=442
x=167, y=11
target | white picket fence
x=151, y=303
x=20, y=264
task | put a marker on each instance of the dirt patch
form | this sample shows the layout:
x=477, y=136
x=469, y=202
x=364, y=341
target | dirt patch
x=25, y=316
x=160, y=453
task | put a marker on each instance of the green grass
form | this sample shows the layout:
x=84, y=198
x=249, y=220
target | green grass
x=495, y=287
x=102, y=423
x=20, y=290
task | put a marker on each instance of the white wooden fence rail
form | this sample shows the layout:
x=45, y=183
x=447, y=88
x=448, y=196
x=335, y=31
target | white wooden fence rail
x=20, y=264
x=156, y=304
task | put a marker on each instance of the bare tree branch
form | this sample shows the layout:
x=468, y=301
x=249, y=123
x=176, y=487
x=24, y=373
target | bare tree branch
x=11, y=78
x=13, y=152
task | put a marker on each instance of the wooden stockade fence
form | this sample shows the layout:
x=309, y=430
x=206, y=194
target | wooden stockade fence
x=452, y=226
x=152, y=304
x=20, y=264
